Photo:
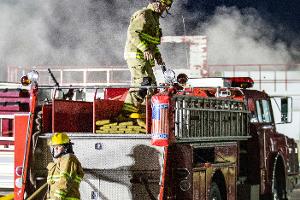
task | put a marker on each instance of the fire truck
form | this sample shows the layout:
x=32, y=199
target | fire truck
x=206, y=139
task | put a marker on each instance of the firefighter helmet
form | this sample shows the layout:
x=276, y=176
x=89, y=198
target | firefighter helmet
x=59, y=138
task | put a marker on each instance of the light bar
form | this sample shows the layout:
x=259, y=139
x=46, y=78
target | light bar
x=242, y=82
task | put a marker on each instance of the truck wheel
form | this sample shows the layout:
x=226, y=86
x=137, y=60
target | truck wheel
x=215, y=192
x=278, y=183
x=277, y=191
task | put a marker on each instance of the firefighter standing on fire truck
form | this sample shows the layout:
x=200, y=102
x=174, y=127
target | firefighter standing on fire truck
x=65, y=173
x=141, y=51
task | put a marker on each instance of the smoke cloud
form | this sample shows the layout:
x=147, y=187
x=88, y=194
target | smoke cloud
x=71, y=32
x=63, y=32
x=76, y=32
x=236, y=36
x=243, y=39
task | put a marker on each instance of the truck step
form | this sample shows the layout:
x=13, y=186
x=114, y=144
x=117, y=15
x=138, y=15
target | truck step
x=14, y=100
x=13, y=93
x=14, y=106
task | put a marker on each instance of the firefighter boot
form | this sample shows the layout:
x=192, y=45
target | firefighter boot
x=127, y=109
x=137, y=115
x=140, y=116
x=140, y=113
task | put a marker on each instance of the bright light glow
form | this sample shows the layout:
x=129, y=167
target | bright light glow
x=242, y=82
x=18, y=182
x=206, y=82
x=33, y=76
x=169, y=75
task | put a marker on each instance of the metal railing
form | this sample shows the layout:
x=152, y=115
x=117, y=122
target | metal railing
x=198, y=118
x=75, y=75
x=278, y=76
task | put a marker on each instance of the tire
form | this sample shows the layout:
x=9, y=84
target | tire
x=215, y=193
x=278, y=184
x=278, y=190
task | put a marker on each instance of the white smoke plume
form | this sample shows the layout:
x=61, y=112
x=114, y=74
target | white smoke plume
x=91, y=32
x=236, y=38
x=71, y=32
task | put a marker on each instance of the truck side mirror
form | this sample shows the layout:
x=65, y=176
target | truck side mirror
x=286, y=109
x=282, y=109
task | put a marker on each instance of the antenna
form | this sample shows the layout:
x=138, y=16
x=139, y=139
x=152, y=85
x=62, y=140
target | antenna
x=53, y=78
x=186, y=49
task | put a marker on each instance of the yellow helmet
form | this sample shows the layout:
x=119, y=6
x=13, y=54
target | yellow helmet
x=59, y=138
x=167, y=2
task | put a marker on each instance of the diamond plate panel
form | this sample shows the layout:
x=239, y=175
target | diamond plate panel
x=118, y=153
x=116, y=167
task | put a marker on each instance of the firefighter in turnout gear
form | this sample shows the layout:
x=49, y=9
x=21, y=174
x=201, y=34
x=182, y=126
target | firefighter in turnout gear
x=65, y=173
x=141, y=51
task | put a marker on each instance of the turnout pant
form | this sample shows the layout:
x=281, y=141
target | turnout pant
x=141, y=75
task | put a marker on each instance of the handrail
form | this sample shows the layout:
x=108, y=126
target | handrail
x=11, y=139
x=6, y=116
x=96, y=87
x=273, y=69
x=11, y=87
x=84, y=87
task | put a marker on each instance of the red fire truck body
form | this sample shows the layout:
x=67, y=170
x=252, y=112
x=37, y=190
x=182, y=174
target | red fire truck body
x=13, y=103
x=221, y=143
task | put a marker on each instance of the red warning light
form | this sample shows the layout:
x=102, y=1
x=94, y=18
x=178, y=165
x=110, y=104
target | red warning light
x=242, y=82
x=25, y=81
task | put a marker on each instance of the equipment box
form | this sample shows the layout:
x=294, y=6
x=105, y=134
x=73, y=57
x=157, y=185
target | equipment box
x=72, y=116
x=105, y=109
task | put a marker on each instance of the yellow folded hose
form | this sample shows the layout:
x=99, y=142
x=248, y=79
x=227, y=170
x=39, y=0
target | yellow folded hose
x=8, y=197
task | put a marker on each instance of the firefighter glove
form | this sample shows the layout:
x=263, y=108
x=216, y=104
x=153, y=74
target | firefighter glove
x=148, y=54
